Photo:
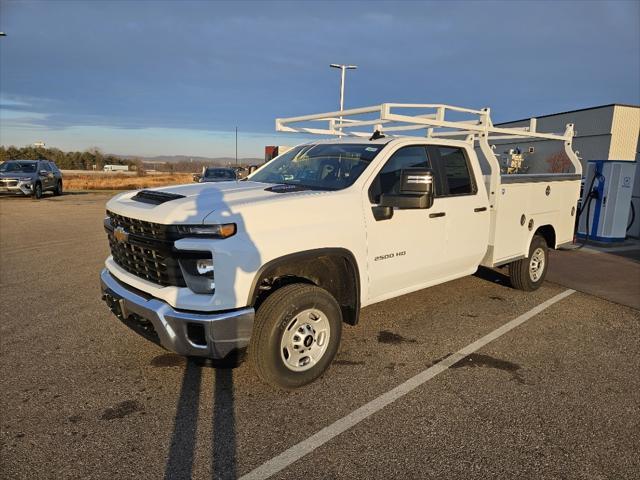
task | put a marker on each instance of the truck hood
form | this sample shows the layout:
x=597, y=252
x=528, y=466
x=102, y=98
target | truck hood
x=200, y=200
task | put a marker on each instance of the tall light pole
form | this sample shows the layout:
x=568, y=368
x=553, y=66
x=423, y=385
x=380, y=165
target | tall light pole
x=343, y=69
x=236, y=146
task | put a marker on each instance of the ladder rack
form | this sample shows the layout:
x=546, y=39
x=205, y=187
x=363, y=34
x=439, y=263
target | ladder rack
x=436, y=120
x=393, y=117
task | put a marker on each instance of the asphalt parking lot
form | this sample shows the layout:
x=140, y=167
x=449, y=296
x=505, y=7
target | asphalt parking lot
x=84, y=397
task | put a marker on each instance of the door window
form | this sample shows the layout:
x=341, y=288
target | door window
x=388, y=179
x=454, y=173
x=45, y=166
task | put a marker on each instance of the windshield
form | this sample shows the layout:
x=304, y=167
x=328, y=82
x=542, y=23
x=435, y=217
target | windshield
x=322, y=167
x=18, y=167
x=220, y=173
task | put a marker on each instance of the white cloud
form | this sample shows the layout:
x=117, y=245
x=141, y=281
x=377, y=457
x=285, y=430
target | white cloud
x=12, y=102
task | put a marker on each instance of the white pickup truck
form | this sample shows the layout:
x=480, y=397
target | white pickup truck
x=278, y=261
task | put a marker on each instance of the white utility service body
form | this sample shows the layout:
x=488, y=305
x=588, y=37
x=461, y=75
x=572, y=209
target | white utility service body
x=280, y=230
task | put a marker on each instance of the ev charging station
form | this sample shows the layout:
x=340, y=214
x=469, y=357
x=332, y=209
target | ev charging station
x=606, y=200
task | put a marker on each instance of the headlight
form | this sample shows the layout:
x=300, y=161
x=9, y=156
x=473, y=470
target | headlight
x=25, y=181
x=224, y=230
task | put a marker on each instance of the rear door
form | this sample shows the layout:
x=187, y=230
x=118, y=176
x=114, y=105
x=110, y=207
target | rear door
x=465, y=204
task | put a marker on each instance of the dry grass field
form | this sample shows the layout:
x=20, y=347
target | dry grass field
x=110, y=181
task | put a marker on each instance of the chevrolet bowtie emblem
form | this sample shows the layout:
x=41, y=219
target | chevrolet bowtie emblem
x=121, y=235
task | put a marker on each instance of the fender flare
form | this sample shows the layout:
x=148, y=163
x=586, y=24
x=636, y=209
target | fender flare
x=298, y=258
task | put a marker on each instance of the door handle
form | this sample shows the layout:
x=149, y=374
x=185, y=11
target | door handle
x=480, y=209
x=436, y=215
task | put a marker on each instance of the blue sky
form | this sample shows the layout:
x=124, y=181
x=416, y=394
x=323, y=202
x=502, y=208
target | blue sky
x=161, y=77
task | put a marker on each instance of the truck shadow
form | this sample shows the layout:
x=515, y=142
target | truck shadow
x=493, y=276
x=183, y=440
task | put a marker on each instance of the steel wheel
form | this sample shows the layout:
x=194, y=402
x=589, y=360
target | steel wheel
x=528, y=274
x=305, y=340
x=536, y=264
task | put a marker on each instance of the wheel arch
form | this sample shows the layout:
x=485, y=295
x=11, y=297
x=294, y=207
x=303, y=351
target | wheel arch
x=548, y=233
x=334, y=269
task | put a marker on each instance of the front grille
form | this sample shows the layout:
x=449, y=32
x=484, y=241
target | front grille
x=148, y=252
x=147, y=263
x=8, y=183
x=152, y=230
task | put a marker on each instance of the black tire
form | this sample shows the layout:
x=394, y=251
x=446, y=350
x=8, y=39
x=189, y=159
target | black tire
x=523, y=274
x=58, y=190
x=274, y=319
x=37, y=191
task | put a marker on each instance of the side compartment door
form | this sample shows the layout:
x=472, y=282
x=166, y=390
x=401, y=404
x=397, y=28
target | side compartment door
x=467, y=207
x=405, y=251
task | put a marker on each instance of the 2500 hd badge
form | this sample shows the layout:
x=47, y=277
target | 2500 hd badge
x=388, y=256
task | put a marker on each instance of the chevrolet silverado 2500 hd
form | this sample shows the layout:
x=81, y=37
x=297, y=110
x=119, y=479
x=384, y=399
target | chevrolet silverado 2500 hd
x=279, y=261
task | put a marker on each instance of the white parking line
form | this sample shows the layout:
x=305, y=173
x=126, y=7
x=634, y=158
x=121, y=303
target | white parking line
x=307, y=446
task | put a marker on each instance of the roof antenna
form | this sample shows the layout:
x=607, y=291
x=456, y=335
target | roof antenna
x=376, y=135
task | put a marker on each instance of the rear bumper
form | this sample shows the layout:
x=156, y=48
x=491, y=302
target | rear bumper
x=211, y=335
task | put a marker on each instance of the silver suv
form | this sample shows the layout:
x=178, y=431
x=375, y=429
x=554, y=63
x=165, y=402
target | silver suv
x=30, y=177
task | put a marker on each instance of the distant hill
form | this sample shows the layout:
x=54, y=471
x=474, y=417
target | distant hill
x=188, y=158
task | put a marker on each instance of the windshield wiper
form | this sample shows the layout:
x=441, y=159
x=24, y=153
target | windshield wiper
x=311, y=187
x=295, y=187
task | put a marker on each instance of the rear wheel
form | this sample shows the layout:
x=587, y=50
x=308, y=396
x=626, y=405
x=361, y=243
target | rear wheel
x=296, y=334
x=58, y=189
x=529, y=273
x=37, y=191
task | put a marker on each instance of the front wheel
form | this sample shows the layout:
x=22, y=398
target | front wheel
x=529, y=273
x=296, y=334
x=58, y=189
x=37, y=191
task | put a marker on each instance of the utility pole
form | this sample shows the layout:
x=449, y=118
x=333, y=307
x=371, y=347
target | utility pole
x=236, y=146
x=343, y=70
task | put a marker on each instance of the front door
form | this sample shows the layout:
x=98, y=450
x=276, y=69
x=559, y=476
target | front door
x=47, y=179
x=405, y=252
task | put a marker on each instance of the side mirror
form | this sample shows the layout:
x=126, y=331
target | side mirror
x=382, y=213
x=416, y=190
x=44, y=173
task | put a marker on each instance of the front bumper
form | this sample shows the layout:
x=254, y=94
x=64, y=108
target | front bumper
x=16, y=188
x=211, y=335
